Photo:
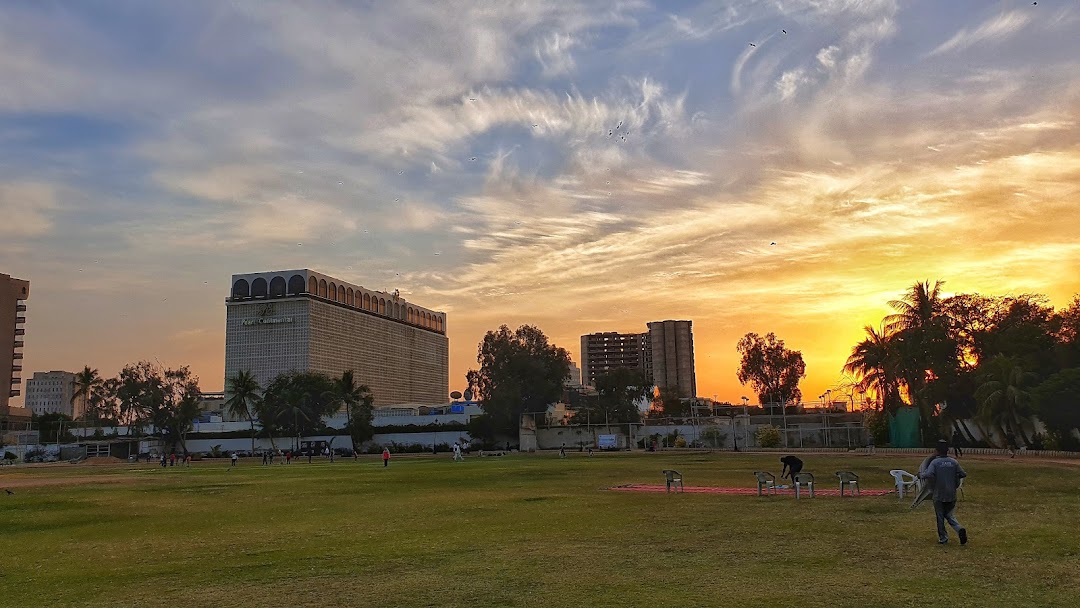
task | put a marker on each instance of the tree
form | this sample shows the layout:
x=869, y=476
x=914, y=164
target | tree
x=137, y=387
x=1004, y=397
x=168, y=399
x=668, y=403
x=619, y=392
x=244, y=396
x=520, y=372
x=295, y=403
x=357, y=401
x=874, y=363
x=1057, y=403
x=772, y=370
x=925, y=350
x=50, y=426
x=87, y=384
x=1067, y=326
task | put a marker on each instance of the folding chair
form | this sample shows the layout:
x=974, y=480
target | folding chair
x=765, y=480
x=673, y=479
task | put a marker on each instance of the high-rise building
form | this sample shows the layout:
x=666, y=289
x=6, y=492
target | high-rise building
x=302, y=320
x=671, y=348
x=53, y=392
x=607, y=351
x=13, y=294
x=574, y=377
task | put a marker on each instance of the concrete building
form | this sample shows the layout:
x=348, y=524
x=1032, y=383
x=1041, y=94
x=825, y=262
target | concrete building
x=51, y=393
x=671, y=348
x=574, y=378
x=302, y=320
x=13, y=295
x=603, y=352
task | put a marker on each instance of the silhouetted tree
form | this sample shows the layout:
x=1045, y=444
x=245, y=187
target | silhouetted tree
x=520, y=372
x=772, y=370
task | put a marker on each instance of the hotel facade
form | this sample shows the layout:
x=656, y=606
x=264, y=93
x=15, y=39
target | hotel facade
x=303, y=320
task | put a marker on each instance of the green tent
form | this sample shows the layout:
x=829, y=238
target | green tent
x=904, y=428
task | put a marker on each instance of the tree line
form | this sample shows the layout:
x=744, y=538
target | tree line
x=989, y=361
x=967, y=360
x=147, y=397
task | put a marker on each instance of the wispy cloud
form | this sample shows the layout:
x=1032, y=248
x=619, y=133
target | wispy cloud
x=996, y=28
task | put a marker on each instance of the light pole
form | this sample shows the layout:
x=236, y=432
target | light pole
x=434, y=435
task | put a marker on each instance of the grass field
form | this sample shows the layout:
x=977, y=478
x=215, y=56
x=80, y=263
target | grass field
x=527, y=530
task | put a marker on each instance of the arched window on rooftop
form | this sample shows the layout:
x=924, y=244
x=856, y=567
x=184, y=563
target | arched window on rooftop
x=258, y=288
x=277, y=287
x=241, y=289
x=296, y=284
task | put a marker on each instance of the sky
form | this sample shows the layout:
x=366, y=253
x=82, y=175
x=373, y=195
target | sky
x=775, y=165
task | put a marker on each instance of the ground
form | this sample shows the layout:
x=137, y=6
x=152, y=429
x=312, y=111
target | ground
x=527, y=530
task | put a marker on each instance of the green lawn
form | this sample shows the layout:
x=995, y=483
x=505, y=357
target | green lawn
x=527, y=530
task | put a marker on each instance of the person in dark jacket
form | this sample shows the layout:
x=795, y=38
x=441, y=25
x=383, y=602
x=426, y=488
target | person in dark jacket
x=957, y=448
x=792, y=466
x=944, y=475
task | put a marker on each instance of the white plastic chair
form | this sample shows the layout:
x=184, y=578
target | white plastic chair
x=804, y=479
x=765, y=480
x=848, y=480
x=904, y=481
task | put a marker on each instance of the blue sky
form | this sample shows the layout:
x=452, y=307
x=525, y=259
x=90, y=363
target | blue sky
x=460, y=152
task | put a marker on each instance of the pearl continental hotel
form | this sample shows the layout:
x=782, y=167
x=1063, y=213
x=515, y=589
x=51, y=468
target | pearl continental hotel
x=301, y=320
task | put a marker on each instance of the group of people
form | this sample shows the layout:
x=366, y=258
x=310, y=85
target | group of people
x=172, y=459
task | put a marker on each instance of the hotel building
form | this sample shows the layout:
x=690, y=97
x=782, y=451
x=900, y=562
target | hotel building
x=302, y=320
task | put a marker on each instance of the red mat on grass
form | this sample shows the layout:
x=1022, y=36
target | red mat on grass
x=641, y=487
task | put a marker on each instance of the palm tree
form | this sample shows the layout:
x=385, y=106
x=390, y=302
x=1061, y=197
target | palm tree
x=245, y=394
x=925, y=351
x=1003, y=396
x=918, y=308
x=346, y=393
x=87, y=382
x=874, y=362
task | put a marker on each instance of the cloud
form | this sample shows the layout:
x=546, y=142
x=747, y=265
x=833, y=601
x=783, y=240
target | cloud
x=27, y=209
x=340, y=137
x=996, y=28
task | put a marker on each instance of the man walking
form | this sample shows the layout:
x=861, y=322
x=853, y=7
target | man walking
x=1010, y=444
x=385, y=457
x=957, y=440
x=944, y=475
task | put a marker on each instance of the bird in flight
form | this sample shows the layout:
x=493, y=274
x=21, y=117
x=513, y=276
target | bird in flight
x=773, y=243
x=785, y=31
x=753, y=45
